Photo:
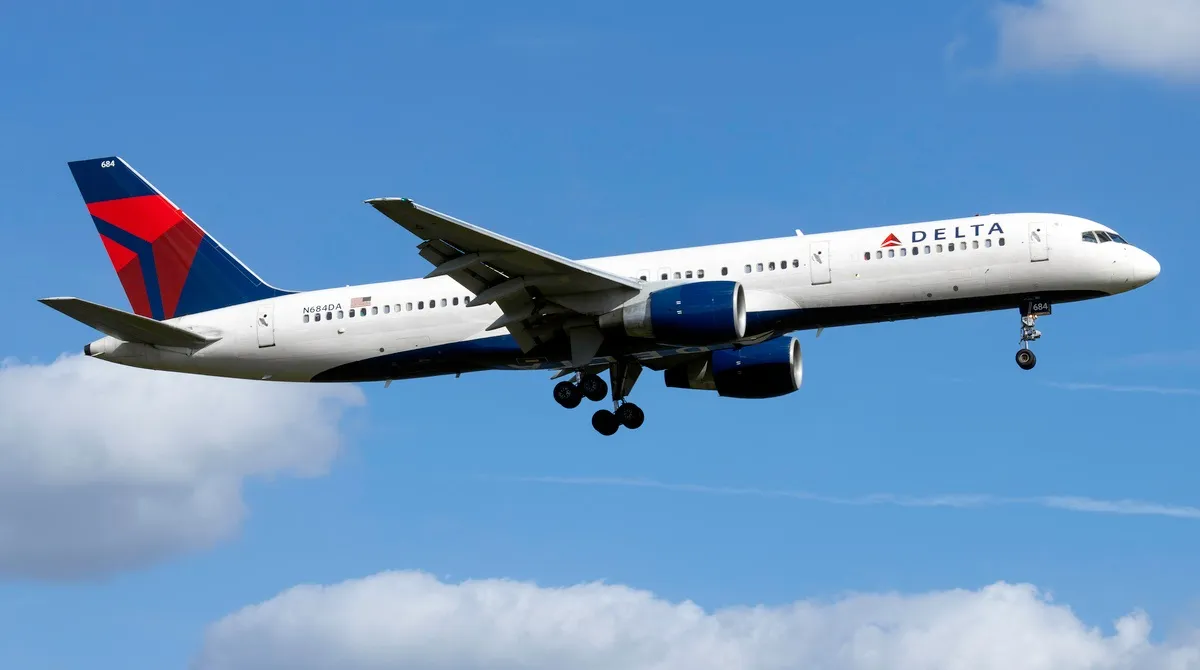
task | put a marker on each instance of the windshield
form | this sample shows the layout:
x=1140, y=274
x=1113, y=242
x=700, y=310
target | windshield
x=1095, y=236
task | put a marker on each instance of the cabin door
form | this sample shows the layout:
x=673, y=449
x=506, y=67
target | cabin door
x=265, y=324
x=818, y=262
x=1039, y=247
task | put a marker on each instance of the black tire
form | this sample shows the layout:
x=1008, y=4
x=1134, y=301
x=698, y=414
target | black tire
x=631, y=416
x=605, y=422
x=567, y=395
x=594, y=388
x=1026, y=360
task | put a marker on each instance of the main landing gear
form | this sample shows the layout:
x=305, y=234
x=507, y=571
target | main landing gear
x=589, y=385
x=1030, y=311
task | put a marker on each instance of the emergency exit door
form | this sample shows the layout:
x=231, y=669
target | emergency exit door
x=818, y=262
x=265, y=324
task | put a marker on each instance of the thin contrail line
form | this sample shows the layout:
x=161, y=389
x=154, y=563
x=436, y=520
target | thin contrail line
x=958, y=501
x=1117, y=388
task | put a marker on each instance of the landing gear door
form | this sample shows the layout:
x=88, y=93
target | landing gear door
x=264, y=323
x=1039, y=247
x=818, y=262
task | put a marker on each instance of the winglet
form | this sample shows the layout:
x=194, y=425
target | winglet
x=126, y=326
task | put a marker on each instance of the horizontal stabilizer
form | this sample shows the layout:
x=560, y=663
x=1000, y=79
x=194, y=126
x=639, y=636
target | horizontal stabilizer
x=126, y=326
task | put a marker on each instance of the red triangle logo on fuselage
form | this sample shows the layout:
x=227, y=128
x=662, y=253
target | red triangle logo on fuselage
x=891, y=241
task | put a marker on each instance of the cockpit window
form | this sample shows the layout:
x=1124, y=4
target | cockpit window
x=1117, y=238
x=1103, y=236
x=1089, y=236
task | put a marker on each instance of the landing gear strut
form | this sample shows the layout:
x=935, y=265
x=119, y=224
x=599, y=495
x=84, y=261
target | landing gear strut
x=1030, y=311
x=622, y=375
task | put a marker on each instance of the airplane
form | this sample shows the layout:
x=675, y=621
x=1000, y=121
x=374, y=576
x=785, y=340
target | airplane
x=716, y=318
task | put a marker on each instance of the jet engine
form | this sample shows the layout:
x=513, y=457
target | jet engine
x=766, y=370
x=699, y=313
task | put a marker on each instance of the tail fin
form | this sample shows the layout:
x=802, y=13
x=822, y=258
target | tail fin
x=167, y=264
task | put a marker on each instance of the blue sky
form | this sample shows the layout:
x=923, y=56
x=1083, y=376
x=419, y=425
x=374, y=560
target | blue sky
x=603, y=129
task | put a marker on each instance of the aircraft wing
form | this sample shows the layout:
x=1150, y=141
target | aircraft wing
x=538, y=292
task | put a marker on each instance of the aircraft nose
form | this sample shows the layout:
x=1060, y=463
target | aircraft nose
x=1144, y=268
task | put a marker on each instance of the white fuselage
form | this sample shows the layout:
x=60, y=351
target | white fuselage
x=419, y=327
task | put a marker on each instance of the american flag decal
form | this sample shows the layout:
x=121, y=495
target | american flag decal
x=360, y=302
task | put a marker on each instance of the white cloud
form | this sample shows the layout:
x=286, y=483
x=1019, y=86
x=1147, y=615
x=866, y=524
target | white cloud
x=104, y=467
x=954, y=500
x=412, y=620
x=1159, y=37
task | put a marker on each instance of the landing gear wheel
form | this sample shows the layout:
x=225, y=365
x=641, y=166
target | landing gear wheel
x=605, y=422
x=1026, y=360
x=593, y=387
x=631, y=416
x=567, y=394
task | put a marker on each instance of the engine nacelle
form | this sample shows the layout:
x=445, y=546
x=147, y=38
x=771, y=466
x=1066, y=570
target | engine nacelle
x=765, y=370
x=699, y=313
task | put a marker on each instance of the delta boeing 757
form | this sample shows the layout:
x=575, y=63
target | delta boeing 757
x=715, y=318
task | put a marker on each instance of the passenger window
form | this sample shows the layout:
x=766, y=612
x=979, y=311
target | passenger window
x=443, y=302
x=878, y=255
x=975, y=244
x=988, y=243
x=420, y=304
x=340, y=315
x=771, y=265
x=866, y=256
x=903, y=251
x=783, y=264
x=926, y=248
x=688, y=275
x=433, y=303
x=387, y=309
x=747, y=269
x=374, y=311
x=664, y=276
x=643, y=277
x=950, y=247
x=916, y=251
x=397, y=307
x=724, y=270
x=362, y=312
x=760, y=266
x=1001, y=241
x=351, y=314
x=891, y=253
x=1089, y=236
x=795, y=262
x=456, y=301
x=408, y=306
x=677, y=276
x=699, y=274
x=939, y=248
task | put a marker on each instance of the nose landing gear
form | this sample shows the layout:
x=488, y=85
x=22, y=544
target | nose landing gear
x=1030, y=311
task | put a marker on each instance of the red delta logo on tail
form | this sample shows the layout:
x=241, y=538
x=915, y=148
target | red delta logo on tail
x=891, y=241
x=168, y=266
x=133, y=226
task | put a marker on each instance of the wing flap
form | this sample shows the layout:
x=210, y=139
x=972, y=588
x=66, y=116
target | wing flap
x=127, y=326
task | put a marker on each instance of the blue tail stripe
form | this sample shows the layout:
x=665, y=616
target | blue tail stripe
x=217, y=280
x=145, y=254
